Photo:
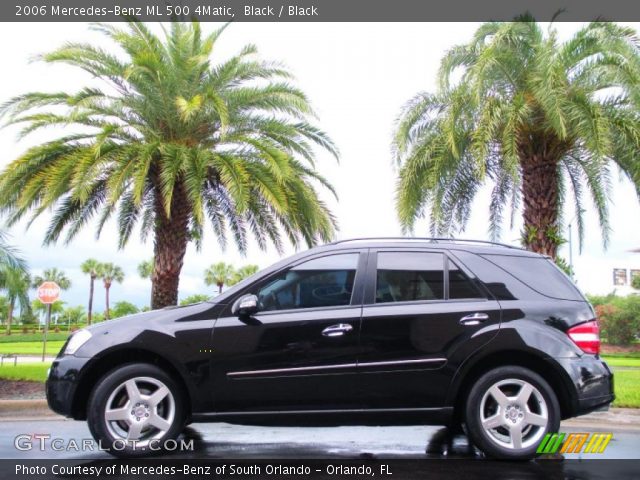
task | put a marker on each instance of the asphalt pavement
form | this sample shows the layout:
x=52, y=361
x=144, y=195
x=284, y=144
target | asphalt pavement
x=225, y=441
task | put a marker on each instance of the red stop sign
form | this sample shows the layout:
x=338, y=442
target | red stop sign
x=48, y=292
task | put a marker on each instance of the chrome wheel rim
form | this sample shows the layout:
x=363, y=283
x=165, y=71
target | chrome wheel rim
x=514, y=414
x=140, y=410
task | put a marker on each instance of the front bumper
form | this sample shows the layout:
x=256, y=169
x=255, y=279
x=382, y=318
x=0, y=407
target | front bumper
x=62, y=383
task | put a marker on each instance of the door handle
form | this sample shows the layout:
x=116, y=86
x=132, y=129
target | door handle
x=474, y=319
x=337, y=330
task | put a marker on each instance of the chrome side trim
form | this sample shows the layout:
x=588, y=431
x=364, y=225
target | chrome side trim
x=291, y=370
x=337, y=366
x=402, y=362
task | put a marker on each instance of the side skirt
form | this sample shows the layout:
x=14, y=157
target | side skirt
x=326, y=418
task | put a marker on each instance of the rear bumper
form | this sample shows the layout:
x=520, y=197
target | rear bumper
x=62, y=383
x=593, y=383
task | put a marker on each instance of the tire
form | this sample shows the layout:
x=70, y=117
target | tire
x=508, y=412
x=139, y=427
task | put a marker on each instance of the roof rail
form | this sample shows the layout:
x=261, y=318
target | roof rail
x=426, y=239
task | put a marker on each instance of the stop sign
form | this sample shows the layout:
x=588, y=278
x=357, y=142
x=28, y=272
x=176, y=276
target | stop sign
x=48, y=292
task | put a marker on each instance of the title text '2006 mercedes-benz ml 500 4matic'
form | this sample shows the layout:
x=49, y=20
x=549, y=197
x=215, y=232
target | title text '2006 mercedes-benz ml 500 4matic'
x=357, y=332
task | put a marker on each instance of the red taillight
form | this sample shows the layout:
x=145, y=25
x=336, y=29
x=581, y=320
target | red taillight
x=586, y=336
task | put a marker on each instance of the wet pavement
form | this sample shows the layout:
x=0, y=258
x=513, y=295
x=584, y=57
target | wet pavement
x=225, y=441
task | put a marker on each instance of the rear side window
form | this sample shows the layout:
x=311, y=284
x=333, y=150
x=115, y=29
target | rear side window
x=409, y=276
x=539, y=274
x=460, y=286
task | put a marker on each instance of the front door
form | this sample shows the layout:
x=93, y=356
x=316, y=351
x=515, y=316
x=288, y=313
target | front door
x=422, y=313
x=299, y=351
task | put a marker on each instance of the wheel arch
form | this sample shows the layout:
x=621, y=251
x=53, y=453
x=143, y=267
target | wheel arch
x=543, y=366
x=115, y=358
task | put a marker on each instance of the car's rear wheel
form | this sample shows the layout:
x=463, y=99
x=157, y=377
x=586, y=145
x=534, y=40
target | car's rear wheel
x=509, y=411
x=135, y=409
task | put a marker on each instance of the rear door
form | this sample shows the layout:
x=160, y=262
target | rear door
x=422, y=313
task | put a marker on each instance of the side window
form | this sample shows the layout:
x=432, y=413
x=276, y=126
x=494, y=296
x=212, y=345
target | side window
x=408, y=276
x=321, y=282
x=459, y=285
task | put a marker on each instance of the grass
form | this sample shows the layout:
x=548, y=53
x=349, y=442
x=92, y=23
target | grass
x=627, y=383
x=622, y=355
x=31, y=337
x=35, y=372
x=31, y=348
x=622, y=361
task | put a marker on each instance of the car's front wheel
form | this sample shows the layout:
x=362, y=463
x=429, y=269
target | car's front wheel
x=509, y=410
x=135, y=409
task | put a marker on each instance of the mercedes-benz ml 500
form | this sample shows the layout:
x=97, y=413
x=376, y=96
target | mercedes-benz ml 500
x=368, y=331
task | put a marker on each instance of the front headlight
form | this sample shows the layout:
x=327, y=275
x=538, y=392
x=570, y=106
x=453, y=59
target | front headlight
x=78, y=339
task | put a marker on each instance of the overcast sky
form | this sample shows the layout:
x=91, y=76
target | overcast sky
x=357, y=77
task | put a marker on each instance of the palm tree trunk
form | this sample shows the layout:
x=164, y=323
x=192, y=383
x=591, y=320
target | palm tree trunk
x=10, y=316
x=170, y=246
x=540, y=199
x=90, y=309
x=106, y=290
x=220, y=288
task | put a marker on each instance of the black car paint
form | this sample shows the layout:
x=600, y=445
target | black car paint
x=404, y=362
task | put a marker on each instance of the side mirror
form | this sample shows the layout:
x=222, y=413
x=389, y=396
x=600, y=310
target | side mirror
x=245, y=306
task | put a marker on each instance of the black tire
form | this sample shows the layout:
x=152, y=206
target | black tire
x=110, y=389
x=502, y=440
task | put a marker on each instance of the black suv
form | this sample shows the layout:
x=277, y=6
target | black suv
x=363, y=331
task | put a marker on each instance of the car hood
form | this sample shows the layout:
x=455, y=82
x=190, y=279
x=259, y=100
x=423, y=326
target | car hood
x=194, y=311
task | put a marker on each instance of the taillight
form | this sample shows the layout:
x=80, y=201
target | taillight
x=586, y=336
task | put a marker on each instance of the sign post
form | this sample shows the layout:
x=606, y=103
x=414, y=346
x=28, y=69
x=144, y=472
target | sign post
x=48, y=293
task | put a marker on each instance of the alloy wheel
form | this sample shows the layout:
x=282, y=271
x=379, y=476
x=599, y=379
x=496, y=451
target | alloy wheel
x=514, y=414
x=140, y=409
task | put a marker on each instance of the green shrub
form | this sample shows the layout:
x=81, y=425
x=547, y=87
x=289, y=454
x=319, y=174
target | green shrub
x=619, y=319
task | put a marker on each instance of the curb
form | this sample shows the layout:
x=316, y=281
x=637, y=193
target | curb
x=35, y=407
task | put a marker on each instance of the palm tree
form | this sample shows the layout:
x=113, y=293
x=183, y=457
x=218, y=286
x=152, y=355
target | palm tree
x=145, y=268
x=15, y=282
x=52, y=275
x=219, y=274
x=109, y=273
x=543, y=121
x=173, y=141
x=90, y=267
x=243, y=272
x=9, y=256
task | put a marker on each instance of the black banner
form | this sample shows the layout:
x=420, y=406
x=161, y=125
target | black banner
x=315, y=10
x=219, y=469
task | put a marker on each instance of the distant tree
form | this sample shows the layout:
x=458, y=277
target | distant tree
x=109, y=273
x=41, y=309
x=28, y=318
x=122, y=309
x=52, y=275
x=635, y=282
x=90, y=267
x=219, y=274
x=197, y=298
x=74, y=315
x=242, y=273
x=15, y=282
x=145, y=268
x=4, y=308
